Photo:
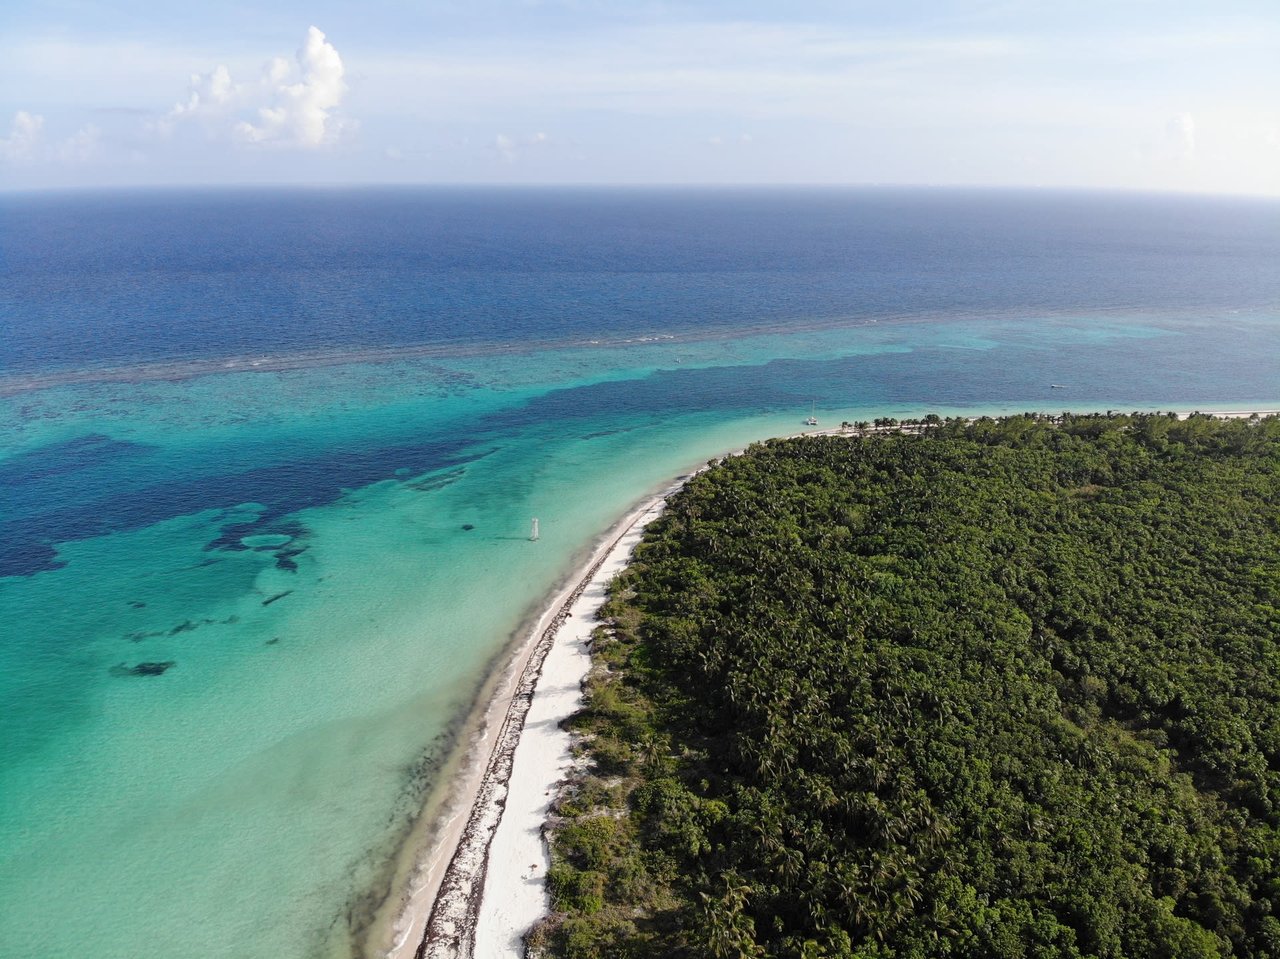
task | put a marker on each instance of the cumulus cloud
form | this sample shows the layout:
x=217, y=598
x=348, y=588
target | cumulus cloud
x=509, y=148
x=291, y=103
x=80, y=147
x=302, y=100
x=208, y=92
x=26, y=142
x=25, y=136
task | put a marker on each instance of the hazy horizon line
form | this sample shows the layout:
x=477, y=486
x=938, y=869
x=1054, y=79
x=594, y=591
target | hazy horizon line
x=638, y=185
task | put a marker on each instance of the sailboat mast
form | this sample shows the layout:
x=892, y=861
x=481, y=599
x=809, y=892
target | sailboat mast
x=533, y=533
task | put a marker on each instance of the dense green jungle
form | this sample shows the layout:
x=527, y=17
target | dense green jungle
x=981, y=689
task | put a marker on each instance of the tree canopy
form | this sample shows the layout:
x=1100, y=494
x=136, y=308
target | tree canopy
x=1003, y=689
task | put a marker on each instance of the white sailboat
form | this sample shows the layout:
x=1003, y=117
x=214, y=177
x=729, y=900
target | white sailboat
x=813, y=419
x=533, y=532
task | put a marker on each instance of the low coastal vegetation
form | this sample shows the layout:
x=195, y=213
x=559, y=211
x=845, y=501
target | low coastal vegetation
x=1004, y=688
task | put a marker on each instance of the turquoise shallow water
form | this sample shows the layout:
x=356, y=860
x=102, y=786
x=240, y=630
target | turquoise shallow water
x=246, y=800
x=242, y=613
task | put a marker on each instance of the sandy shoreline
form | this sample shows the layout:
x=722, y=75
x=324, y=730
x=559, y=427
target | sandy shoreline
x=483, y=885
x=439, y=916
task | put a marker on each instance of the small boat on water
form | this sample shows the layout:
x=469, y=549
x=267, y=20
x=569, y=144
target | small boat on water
x=812, y=420
x=1056, y=386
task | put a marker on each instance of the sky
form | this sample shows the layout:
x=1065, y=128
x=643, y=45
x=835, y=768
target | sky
x=1122, y=94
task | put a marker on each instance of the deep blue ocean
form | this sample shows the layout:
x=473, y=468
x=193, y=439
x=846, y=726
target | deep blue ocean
x=269, y=460
x=135, y=277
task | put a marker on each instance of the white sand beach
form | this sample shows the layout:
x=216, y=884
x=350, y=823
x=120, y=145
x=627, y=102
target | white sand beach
x=514, y=896
x=484, y=884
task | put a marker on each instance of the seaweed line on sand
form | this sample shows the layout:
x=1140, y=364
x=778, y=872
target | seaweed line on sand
x=451, y=927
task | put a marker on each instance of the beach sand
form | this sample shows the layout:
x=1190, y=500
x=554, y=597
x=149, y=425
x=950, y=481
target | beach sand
x=515, y=894
x=488, y=862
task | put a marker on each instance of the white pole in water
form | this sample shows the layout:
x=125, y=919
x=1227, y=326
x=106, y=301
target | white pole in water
x=533, y=533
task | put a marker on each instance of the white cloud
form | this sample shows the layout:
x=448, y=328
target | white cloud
x=291, y=104
x=302, y=100
x=25, y=135
x=509, y=148
x=209, y=92
x=82, y=146
x=26, y=142
x=742, y=139
x=1180, y=133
